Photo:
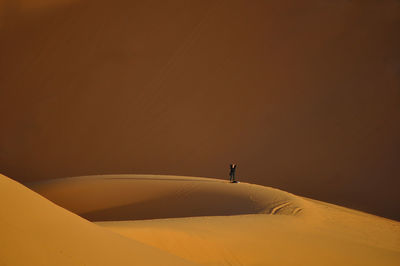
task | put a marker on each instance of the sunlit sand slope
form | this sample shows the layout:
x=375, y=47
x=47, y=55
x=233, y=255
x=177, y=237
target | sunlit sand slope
x=34, y=231
x=265, y=240
x=242, y=224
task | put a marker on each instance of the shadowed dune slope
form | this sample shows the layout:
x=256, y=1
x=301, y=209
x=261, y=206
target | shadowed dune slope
x=241, y=224
x=305, y=93
x=34, y=231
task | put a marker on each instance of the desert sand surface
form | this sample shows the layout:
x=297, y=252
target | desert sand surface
x=35, y=231
x=213, y=222
x=305, y=93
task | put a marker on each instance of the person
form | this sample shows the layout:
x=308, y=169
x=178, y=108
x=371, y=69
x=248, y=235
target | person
x=232, y=173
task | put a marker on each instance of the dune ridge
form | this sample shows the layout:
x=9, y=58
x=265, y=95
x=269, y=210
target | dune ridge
x=133, y=197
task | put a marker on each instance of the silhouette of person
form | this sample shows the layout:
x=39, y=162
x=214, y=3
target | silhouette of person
x=232, y=173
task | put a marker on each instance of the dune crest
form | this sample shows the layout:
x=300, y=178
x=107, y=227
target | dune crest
x=137, y=197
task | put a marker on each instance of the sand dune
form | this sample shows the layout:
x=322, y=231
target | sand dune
x=240, y=224
x=132, y=197
x=34, y=231
x=302, y=95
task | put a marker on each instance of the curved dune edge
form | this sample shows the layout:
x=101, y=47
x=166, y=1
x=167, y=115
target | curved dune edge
x=241, y=224
x=35, y=231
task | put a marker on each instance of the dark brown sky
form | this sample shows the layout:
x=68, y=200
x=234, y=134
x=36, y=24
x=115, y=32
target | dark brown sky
x=302, y=95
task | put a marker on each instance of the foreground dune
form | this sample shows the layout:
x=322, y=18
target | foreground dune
x=237, y=224
x=34, y=231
